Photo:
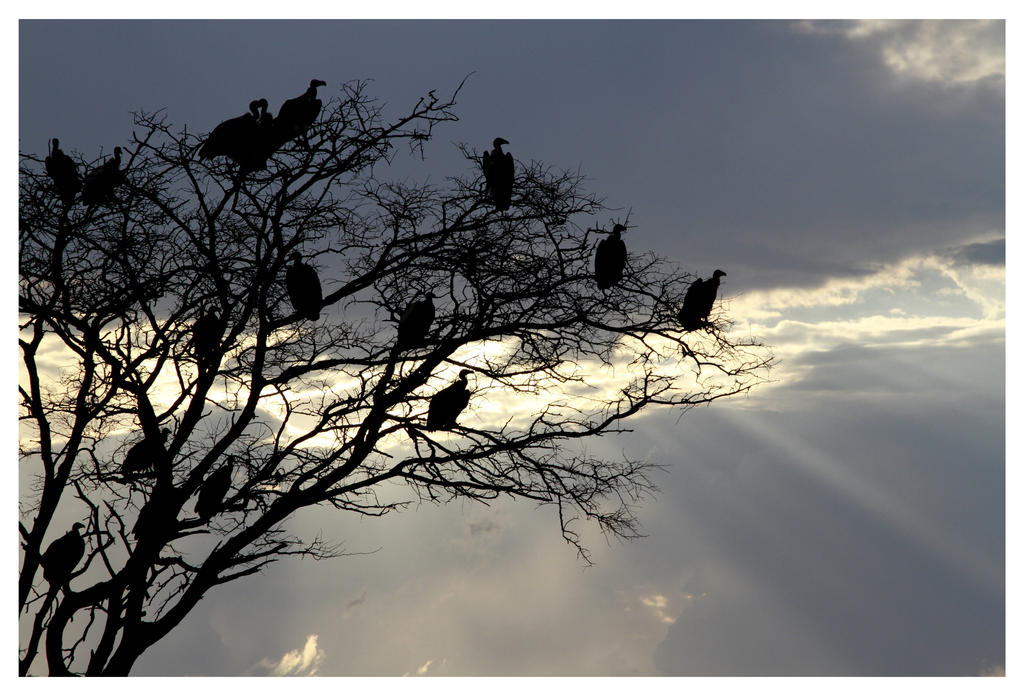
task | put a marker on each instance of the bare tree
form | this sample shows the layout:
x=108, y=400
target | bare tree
x=164, y=308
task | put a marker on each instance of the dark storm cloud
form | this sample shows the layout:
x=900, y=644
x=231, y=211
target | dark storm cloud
x=985, y=253
x=896, y=371
x=783, y=156
x=806, y=145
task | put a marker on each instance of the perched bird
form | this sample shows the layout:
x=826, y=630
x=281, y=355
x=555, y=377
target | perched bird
x=144, y=454
x=414, y=324
x=62, y=555
x=64, y=172
x=154, y=518
x=260, y=146
x=213, y=490
x=100, y=183
x=610, y=259
x=304, y=289
x=265, y=119
x=265, y=144
x=447, y=404
x=206, y=334
x=297, y=115
x=245, y=139
x=235, y=137
x=499, y=172
x=698, y=302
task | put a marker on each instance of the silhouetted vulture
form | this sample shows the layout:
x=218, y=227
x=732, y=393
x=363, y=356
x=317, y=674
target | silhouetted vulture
x=610, y=259
x=100, y=183
x=296, y=115
x=154, y=516
x=265, y=144
x=64, y=172
x=233, y=137
x=213, y=490
x=698, y=302
x=414, y=324
x=143, y=455
x=265, y=119
x=447, y=404
x=304, y=288
x=206, y=334
x=499, y=172
x=62, y=555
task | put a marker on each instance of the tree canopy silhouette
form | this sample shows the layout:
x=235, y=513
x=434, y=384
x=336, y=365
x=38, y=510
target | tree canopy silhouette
x=181, y=401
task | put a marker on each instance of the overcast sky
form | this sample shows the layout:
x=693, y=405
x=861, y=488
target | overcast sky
x=847, y=519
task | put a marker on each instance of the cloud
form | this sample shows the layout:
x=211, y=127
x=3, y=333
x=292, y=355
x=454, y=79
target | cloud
x=659, y=605
x=430, y=667
x=932, y=302
x=922, y=271
x=302, y=662
x=946, y=51
x=991, y=253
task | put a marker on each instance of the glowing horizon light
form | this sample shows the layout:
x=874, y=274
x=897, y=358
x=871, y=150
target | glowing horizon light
x=905, y=305
x=879, y=314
